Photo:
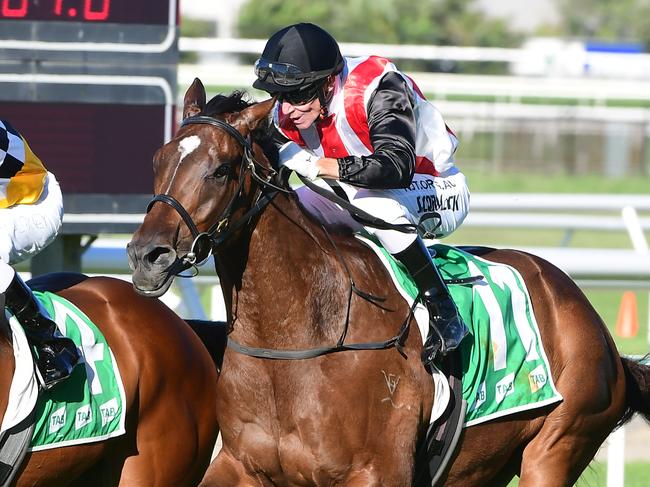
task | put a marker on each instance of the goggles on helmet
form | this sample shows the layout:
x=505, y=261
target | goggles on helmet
x=285, y=74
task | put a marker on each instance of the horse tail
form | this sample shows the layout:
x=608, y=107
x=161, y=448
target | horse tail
x=637, y=385
x=214, y=335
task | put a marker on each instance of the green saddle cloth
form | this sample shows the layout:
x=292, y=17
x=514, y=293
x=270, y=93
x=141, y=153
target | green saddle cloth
x=89, y=405
x=505, y=368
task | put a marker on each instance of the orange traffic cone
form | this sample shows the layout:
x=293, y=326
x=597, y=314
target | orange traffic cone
x=627, y=324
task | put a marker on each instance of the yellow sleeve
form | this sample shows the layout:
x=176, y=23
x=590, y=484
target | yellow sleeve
x=26, y=186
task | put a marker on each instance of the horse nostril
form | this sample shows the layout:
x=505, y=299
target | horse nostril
x=158, y=256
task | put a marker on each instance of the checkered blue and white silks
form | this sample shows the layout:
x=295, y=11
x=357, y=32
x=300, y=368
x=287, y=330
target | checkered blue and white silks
x=12, y=151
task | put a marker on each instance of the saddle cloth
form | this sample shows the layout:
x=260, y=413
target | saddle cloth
x=89, y=405
x=505, y=368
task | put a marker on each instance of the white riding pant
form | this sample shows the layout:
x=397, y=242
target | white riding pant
x=447, y=196
x=6, y=276
x=25, y=230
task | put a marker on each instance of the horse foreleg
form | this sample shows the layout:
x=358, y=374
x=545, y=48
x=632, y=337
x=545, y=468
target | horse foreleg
x=226, y=471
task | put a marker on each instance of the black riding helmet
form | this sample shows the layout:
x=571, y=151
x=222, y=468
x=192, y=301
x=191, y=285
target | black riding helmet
x=296, y=58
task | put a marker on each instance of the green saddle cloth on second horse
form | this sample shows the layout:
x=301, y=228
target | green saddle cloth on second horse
x=89, y=405
x=505, y=368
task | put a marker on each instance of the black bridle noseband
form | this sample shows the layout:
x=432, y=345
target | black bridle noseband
x=205, y=242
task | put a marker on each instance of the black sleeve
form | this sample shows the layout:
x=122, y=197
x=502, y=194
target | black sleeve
x=392, y=133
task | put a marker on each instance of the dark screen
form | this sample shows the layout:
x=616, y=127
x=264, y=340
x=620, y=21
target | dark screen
x=92, y=148
x=97, y=11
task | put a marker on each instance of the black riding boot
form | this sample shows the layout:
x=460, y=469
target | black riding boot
x=447, y=327
x=56, y=355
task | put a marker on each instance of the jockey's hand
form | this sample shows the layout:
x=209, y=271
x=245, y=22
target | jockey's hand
x=299, y=160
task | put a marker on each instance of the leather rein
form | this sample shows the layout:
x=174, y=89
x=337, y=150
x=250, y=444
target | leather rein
x=206, y=242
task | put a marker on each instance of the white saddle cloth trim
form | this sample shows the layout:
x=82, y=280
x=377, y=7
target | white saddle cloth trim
x=24, y=386
x=421, y=313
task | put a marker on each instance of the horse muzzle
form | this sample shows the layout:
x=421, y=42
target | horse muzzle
x=151, y=267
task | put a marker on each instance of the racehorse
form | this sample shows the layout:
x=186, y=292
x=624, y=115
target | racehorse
x=169, y=383
x=292, y=285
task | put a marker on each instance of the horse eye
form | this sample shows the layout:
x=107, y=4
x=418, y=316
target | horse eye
x=222, y=171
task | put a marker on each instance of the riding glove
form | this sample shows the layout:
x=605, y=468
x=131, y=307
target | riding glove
x=299, y=160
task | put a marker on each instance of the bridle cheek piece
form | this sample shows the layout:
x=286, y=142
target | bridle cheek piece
x=205, y=242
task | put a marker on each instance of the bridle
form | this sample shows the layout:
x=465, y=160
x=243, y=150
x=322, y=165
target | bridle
x=205, y=242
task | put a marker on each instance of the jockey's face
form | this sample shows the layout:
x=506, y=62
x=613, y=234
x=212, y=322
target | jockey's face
x=302, y=115
x=304, y=107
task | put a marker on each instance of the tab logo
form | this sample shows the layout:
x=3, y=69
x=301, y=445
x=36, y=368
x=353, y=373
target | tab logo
x=57, y=420
x=108, y=411
x=480, y=397
x=505, y=387
x=537, y=378
x=83, y=417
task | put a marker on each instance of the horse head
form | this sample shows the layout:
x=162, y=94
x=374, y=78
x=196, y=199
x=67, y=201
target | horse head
x=205, y=178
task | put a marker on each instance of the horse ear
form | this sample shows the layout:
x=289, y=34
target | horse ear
x=194, y=100
x=250, y=118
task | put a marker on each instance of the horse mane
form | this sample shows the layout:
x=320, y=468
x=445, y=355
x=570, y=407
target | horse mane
x=266, y=135
x=221, y=104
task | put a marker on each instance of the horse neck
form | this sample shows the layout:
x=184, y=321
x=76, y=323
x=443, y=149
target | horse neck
x=285, y=279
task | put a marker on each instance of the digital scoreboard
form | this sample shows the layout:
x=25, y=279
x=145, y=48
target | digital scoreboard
x=114, y=11
x=92, y=86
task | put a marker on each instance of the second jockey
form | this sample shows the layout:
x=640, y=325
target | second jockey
x=31, y=210
x=364, y=126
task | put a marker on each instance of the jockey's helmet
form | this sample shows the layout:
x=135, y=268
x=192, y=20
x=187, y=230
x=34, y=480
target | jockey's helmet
x=297, y=59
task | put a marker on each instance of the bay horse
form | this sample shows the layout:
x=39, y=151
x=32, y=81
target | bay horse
x=290, y=284
x=170, y=388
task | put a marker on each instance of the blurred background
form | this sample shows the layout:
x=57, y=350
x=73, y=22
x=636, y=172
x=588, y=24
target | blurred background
x=550, y=100
x=555, y=87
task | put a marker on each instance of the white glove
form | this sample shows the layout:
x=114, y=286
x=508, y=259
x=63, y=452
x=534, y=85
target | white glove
x=298, y=159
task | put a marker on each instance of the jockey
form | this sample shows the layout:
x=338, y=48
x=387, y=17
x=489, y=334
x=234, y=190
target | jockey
x=31, y=209
x=364, y=126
